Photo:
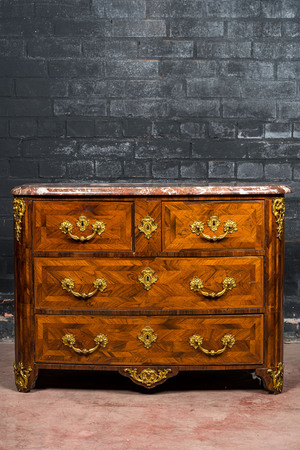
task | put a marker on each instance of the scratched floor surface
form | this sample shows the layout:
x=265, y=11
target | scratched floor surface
x=197, y=411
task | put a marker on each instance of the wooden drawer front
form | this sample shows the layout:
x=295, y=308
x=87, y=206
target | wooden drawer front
x=179, y=216
x=169, y=340
x=49, y=215
x=171, y=290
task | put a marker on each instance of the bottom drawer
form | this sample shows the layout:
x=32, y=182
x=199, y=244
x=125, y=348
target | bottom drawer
x=150, y=340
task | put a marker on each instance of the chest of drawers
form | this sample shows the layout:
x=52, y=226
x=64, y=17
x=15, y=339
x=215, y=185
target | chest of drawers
x=149, y=280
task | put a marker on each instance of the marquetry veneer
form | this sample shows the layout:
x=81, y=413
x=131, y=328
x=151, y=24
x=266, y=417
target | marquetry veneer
x=149, y=280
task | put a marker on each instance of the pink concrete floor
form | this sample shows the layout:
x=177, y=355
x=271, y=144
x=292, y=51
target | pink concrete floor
x=104, y=411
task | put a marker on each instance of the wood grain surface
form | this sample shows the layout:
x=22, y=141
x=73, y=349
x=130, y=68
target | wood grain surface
x=48, y=216
x=178, y=216
x=171, y=291
x=171, y=347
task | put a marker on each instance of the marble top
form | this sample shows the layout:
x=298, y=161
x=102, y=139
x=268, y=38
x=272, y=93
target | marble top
x=138, y=189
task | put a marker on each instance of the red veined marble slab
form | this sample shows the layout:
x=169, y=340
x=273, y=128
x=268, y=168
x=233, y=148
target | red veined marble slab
x=140, y=189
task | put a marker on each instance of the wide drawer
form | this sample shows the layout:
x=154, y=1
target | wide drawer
x=149, y=284
x=229, y=340
x=212, y=225
x=82, y=226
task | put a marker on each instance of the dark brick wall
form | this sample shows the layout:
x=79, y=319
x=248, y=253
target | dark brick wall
x=151, y=90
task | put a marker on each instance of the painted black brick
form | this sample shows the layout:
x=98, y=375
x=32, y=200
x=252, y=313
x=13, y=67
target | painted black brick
x=166, y=49
x=25, y=27
x=74, y=9
x=233, y=9
x=106, y=168
x=79, y=107
x=193, y=129
x=278, y=130
x=23, y=127
x=7, y=87
x=188, y=28
x=10, y=148
x=53, y=48
x=132, y=69
x=49, y=168
x=222, y=129
x=212, y=87
x=80, y=128
x=154, y=88
x=221, y=169
x=247, y=69
x=165, y=169
x=51, y=148
x=250, y=171
x=223, y=49
x=4, y=168
x=163, y=149
x=250, y=129
x=29, y=107
x=108, y=128
x=137, y=128
x=107, y=149
x=193, y=169
x=218, y=149
x=3, y=128
x=252, y=109
x=268, y=89
x=176, y=8
x=137, y=169
x=137, y=28
x=85, y=27
x=166, y=128
x=148, y=108
x=76, y=69
x=22, y=168
x=12, y=67
x=188, y=69
x=115, y=48
x=41, y=87
x=51, y=127
x=12, y=47
x=278, y=172
x=17, y=9
x=125, y=8
x=80, y=168
x=194, y=108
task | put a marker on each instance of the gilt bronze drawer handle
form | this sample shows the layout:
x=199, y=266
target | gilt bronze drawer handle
x=66, y=227
x=148, y=278
x=196, y=284
x=227, y=340
x=69, y=340
x=147, y=227
x=197, y=227
x=68, y=284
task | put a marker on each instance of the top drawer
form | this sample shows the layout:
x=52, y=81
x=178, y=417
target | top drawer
x=213, y=225
x=82, y=226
